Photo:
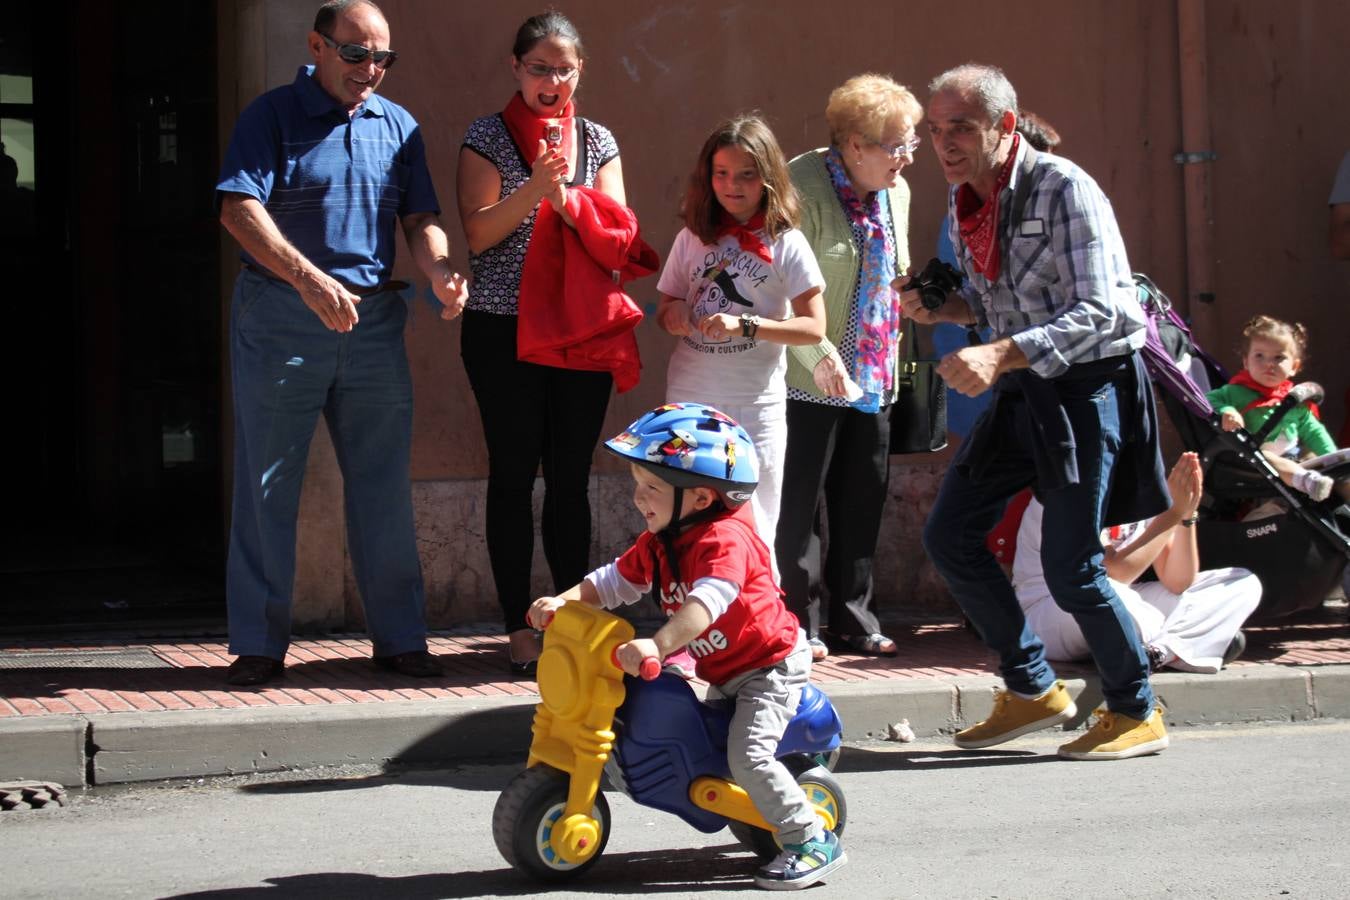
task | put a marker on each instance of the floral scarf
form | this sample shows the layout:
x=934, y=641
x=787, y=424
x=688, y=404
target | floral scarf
x=877, y=304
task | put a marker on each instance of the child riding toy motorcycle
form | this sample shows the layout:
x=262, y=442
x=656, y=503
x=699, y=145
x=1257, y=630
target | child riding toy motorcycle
x=753, y=761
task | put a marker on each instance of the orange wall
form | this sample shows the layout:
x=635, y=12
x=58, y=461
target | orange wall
x=1105, y=74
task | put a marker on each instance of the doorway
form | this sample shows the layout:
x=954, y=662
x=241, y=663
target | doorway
x=112, y=349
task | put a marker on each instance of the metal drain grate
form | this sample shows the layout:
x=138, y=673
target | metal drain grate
x=131, y=658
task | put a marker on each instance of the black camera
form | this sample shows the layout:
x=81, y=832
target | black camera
x=934, y=283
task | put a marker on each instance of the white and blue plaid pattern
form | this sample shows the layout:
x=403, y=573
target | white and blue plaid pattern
x=1065, y=293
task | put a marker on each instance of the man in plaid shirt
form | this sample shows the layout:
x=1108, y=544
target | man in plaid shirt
x=1072, y=414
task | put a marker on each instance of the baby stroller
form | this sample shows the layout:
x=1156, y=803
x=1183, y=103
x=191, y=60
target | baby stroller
x=1300, y=552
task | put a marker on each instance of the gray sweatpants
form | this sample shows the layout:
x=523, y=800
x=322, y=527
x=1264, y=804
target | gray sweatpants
x=766, y=700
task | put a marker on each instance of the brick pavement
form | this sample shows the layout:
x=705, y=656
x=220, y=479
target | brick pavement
x=336, y=669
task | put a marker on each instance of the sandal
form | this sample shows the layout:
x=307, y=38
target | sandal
x=874, y=644
x=818, y=649
x=524, y=668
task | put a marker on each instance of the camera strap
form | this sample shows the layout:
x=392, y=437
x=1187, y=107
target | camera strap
x=1023, y=190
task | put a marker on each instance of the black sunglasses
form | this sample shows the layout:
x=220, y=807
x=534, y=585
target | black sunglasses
x=355, y=53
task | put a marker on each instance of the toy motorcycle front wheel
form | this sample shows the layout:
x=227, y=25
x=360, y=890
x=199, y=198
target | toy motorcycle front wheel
x=524, y=818
x=823, y=791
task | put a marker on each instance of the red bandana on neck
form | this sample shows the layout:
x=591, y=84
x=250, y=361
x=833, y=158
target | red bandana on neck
x=527, y=129
x=1268, y=396
x=746, y=235
x=979, y=223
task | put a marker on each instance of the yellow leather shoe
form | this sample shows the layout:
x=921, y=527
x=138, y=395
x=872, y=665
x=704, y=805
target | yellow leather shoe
x=1014, y=716
x=1114, y=736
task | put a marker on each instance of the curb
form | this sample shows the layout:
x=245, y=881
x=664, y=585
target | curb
x=114, y=748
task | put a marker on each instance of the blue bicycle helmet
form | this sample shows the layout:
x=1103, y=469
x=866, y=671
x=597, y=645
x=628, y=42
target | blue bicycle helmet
x=693, y=445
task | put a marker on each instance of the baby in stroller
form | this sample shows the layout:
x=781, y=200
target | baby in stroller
x=1273, y=353
x=1249, y=515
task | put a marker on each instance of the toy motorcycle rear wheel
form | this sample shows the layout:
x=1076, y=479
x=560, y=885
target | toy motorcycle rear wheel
x=822, y=790
x=524, y=816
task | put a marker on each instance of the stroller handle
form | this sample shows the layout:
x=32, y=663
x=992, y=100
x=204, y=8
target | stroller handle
x=1306, y=392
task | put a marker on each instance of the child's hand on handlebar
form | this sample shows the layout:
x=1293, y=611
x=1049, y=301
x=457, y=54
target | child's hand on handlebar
x=1231, y=420
x=541, y=611
x=631, y=654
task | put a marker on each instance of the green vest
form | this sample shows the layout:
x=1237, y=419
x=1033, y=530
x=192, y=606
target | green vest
x=828, y=232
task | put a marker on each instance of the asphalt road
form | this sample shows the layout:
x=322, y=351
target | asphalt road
x=1253, y=811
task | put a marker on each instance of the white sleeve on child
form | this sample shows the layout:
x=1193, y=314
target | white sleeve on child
x=796, y=261
x=613, y=588
x=675, y=279
x=716, y=595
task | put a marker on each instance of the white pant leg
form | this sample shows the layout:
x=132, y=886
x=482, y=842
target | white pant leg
x=1199, y=624
x=766, y=423
x=1058, y=631
x=770, y=437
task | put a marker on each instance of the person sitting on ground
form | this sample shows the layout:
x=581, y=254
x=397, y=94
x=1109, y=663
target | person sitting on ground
x=695, y=469
x=1273, y=351
x=1188, y=619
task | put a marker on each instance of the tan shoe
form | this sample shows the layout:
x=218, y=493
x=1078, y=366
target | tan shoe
x=1114, y=736
x=1014, y=716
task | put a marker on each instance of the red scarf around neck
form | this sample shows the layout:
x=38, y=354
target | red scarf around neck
x=1267, y=396
x=979, y=222
x=747, y=235
x=528, y=129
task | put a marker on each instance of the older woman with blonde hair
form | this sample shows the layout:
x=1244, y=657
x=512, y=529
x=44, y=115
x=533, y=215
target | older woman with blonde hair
x=855, y=215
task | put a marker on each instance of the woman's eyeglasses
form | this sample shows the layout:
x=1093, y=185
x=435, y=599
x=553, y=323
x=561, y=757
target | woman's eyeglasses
x=539, y=70
x=900, y=148
x=355, y=53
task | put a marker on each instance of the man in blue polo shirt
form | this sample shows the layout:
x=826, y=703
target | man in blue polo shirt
x=316, y=177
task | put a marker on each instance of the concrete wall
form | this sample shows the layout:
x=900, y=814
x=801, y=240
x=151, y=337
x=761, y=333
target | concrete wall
x=660, y=76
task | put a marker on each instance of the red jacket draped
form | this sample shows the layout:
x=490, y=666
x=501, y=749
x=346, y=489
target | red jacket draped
x=573, y=312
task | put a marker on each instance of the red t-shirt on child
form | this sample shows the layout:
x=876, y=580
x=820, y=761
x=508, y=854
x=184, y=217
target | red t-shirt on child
x=757, y=630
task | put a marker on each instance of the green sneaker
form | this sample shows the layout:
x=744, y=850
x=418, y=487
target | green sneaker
x=802, y=865
x=1014, y=716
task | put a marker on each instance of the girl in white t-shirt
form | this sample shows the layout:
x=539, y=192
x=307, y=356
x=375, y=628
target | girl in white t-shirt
x=739, y=285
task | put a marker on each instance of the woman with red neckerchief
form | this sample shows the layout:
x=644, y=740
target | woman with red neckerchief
x=512, y=162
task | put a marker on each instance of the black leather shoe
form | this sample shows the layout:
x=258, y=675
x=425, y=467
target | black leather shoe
x=1235, y=648
x=248, y=670
x=415, y=663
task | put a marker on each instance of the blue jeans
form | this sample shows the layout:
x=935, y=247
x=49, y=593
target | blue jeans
x=1071, y=549
x=287, y=368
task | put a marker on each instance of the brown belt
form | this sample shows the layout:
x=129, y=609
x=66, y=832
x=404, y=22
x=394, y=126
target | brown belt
x=392, y=285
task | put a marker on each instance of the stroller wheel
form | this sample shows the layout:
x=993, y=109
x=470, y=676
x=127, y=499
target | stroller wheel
x=1235, y=648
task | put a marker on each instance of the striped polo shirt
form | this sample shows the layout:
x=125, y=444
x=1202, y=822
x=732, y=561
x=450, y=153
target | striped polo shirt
x=334, y=184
